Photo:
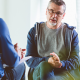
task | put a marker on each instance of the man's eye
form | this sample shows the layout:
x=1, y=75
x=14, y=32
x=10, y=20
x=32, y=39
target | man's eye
x=51, y=11
x=58, y=13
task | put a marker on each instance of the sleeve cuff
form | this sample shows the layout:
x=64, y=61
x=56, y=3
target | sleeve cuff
x=46, y=59
x=63, y=64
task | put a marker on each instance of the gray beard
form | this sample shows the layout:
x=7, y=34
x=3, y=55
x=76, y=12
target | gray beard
x=52, y=24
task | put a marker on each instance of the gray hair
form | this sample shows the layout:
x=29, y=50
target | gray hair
x=58, y=2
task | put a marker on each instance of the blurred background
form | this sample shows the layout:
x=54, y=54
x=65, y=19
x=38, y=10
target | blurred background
x=21, y=15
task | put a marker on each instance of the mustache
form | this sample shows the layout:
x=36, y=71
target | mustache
x=53, y=19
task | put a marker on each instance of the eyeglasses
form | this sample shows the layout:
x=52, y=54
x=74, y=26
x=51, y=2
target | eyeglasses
x=52, y=12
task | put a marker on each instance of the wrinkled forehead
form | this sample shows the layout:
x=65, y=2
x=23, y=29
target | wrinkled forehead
x=55, y=7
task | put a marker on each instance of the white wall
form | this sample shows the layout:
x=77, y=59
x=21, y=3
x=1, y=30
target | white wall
x=2, y=9
x=78, y=14
x=78, y=18
x=70, y=16
x=34, y=12
x=38, y=11
x=16, y=14
x=43, y=7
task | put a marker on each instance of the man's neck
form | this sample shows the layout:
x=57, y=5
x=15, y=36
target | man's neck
x=53, y=27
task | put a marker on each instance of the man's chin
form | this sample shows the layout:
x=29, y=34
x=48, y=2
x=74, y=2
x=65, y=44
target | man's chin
x=52, y=24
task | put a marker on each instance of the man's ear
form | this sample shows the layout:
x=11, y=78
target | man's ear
x=46, y=11
x=63, y=15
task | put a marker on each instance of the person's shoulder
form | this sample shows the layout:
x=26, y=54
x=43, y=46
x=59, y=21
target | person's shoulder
x=34, y=27
x=72, y=28
x=1, y=19
x=3, y=28
x=69, y=26
x=3, y=23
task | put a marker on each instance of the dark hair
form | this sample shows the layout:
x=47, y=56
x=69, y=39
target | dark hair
x=58, y=2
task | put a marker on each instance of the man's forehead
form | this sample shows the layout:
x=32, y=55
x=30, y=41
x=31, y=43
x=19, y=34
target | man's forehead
x=56, y=7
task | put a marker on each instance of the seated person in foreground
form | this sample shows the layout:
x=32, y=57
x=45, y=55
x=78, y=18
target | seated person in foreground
x=10, y=55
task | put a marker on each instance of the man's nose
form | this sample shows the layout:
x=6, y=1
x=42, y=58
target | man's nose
x=54, y=14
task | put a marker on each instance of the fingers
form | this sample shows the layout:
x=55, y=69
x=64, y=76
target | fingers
x=55, y=61
x=23, y=49
x=15, y=45
x=55, y=56
x=58, y=64
x=51, y=61
x=23, y=53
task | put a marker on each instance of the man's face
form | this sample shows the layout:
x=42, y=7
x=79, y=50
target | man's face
x=54, y=14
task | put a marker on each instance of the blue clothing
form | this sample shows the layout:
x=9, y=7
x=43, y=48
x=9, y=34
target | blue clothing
x=16, y=73
x=8, y=55
x=73, y=54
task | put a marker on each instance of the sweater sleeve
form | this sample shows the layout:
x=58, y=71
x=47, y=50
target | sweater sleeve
x=32, y=50
x=73, y=61
x=9, y=55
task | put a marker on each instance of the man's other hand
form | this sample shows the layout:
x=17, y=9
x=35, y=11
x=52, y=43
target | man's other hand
x=54, y=61
x=21, y=52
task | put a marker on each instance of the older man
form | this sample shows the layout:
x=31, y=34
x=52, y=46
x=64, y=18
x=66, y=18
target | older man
x=55, y=50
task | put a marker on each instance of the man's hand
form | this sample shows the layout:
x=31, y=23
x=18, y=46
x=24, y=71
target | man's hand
x=23, y=53
x=20, y=51
x=54, y=61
